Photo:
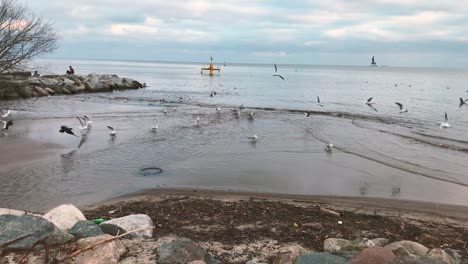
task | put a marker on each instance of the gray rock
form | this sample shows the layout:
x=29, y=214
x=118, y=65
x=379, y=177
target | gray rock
x=66, y=91
x=49, y=91
x=181, y=250
x=380, y=241
x=210, y=260
x=416, y=260
x=129, y=223
x=288, y=254
x=440, y=254
x=83, y=229
x=454, y=254
x=58, y=237
x=64, y=216
x=333, y=245
x=22, y=232
x=41, y=91
x=401, y=248
x=5, y=211
x=106, y=253
x=67, y=81
x=50, y=82
x=347, y=254
x=25, y=92
x=320, y=258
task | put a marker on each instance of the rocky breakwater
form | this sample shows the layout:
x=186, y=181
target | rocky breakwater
x=20, y=86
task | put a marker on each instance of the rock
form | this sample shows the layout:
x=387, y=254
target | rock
x=8, y=211
x=380, y=241
x=320, y=258
x=181, y=250
x=374, y=255
x=25, y=92
x=64, y=216
x=401, y=247
x=33, y=81
x=67, y=81
x=49, y=91
x=129, y=223
x=83, y=229
x=427, y=239
x=348, y=255
x=416, y=260
x=210, y=260
x=288, y=254
x=454, y=254
x=80, y=88
x=106, y=253
x=334, y=245
x=197, y=262
x=58, y=237
x=440, y=254
x=50, y=82
x=22, y=232
x=41, y=91
x=66, y=91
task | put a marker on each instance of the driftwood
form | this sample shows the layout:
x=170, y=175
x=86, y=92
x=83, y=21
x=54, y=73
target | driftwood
x=76, y=253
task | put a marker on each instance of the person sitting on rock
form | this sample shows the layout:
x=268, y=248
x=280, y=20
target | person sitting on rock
x=71, y=70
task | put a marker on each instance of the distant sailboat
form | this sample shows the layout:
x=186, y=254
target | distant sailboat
x=373, y=62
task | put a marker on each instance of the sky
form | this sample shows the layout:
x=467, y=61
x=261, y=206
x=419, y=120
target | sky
x=331, y=32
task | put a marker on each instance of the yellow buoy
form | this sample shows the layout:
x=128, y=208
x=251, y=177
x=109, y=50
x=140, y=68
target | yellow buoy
x=211, y=69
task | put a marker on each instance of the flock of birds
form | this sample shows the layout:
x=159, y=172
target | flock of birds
x=86, y=122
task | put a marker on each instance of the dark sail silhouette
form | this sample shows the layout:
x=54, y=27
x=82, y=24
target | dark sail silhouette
x=373, y=61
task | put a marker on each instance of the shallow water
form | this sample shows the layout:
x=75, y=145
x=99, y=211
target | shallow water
x=377, y=154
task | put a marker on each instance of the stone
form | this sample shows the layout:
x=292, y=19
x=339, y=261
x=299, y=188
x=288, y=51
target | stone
x=320, y=258
x=67, y=81
x=22, y=232
x=416, y=260
x=49, y=91
x=33, y=81
x=5, y=211
x=374, y=255
x=25, y=92
x=288, y=254
x=427, y=239
x=50, y=82
x=440, y=254
x=197, y=262
x=454, y=254
x=80, y=88
x=181, y=250
x=106, y=253
x=380, y=241
x=66, y=91
x=83, y=229
x=348, y=255
x=64, y=216
x=210, y=260
x=334, y=245
x=70, y=87
x=58, y=237
x=400, y=248
x=129, y=223
x=41, y=91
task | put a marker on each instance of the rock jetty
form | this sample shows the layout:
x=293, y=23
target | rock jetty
x=16, y=86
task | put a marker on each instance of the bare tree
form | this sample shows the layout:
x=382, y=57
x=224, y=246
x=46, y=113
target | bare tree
x=23, y=36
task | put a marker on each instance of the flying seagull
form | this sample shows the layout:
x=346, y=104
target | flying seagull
x=329, y=147
x=462, y=102
x=6, y=124
x=83, y=123
x=307, y=114
x=446, y=123
x=402, y=110
x=83, y=140
x=68, y=130
x=276, y=73
x=113, y=133
x=318, y=102
x=88, y=120
x=253, y=138
x=4, y=115
x=369, y=101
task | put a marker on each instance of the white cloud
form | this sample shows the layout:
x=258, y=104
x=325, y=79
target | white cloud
x=268, y=54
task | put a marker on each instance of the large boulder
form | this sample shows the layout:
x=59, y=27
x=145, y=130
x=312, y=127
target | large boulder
x=58, y=237
x=49, y=91
x=23, y=232
x=106, y=253
x=288, y=254
x=440, y=254
x=129, y=223
x=68, y=81
x=407, y=248
x=64, y=216
x=320, y=258
x=50, y=82
x=66, y=91
x=181, y=250
x=374, y=255
x=40, y=91
x=83, y=229
x=25, y=91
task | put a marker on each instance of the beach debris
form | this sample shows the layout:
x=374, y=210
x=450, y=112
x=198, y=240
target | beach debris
x=328, y=211
x=340, y=222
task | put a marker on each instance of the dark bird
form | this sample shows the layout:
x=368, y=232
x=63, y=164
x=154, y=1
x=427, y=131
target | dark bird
x=318, y=102
x=462, y=102
x=307, y=114
x=276, y=73
x=68, y=130
x=7, y=124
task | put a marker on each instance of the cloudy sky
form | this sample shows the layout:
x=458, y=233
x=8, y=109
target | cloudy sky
x=338, y=32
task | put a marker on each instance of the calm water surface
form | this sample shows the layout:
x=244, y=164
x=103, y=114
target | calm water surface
x=378, y=154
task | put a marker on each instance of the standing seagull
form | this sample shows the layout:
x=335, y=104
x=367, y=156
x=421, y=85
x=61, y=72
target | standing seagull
x=253, y=138
x=218, y=109
x=462, y=102
x=4, y=115
x=318, y=102
x=276, y=73
x=446, y=123
x=197, y=122
x=154, y=128
x=329, y=147
x=251, y=115
x=113, y=133
x=307, y=114
x=402, y=110
x=68, y=130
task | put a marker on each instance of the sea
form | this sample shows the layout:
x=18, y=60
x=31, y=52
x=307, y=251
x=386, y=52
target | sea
x=378, y=151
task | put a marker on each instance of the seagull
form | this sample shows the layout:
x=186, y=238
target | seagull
x=165, y=111
x=241, y=107
x=84, y=138
x=329, y=147
x=83, y=123
x=237, y=113
x=174, y=109
x=197, y=122
x=462, y=102
x=253, y=138
x=211, y=95
x=154, y=128
x=276, y=72
x=307, y=114
x=6, y=124
x=89, y=122
x=113, y=133
x=68, y=130
x=369, y=101
x=446, y=123
x=318, y=102
x=402, y=110
x=4, y=115
x=251, y=115
x=218, y=109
